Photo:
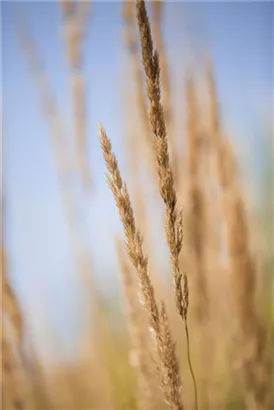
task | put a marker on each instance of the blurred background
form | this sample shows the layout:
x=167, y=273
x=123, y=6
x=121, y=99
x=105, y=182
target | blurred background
x=66, y=66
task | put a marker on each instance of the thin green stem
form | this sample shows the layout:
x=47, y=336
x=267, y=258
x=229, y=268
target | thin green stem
x=190, y=365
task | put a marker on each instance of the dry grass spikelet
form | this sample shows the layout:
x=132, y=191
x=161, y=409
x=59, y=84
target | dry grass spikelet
x=165, y=176
x=134, y=247
x=157, y=14
x=171, y=381
x=134, y=239
x=173, y=223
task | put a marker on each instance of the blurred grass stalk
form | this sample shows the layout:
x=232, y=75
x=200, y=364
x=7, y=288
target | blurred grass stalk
x=75, y=19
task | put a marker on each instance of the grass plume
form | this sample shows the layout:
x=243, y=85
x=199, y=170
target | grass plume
x=174, y=223
x=169, y=375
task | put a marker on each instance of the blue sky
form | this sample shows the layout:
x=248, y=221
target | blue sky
x=240, y=37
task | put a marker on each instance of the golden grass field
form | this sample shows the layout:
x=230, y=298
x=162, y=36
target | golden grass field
x=196, y=333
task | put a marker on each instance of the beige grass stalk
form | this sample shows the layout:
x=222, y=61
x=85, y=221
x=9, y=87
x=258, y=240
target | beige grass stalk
x=75, y=17
x=173, y=225
x=81, y=254
x=255, y=358
x=14, y=395
x=197, y=224
x=37, y=377
x=146, y=394
x=168, y=371
x=215, y=128
x=50, y=111
x=10, y=305
x=201, y=242
x=14, y=387
x=56, y=128
x=68, y=7
x=251, y=330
